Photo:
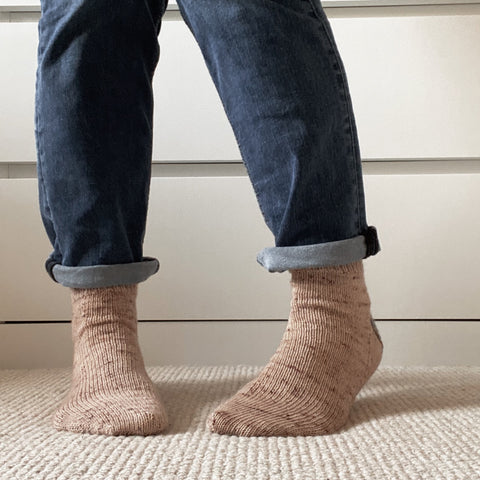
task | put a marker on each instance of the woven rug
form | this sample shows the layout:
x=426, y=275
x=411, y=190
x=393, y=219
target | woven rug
x=407, y=423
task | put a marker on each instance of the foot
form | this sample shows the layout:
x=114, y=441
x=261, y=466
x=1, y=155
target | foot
x=111, y=393
x=329, y=350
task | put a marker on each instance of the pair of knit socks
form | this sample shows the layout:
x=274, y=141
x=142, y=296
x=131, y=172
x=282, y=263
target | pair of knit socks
x=329, y=350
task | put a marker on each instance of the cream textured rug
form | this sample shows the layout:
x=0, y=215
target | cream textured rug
x=407, y=423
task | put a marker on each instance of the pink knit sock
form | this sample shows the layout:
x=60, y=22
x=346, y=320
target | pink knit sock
x=111, y=392
x=329, y=350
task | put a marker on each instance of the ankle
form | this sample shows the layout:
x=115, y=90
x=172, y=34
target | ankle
x=337, y=280
x=354, y=270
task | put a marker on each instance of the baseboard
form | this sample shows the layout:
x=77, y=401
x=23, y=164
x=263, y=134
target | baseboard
x=413, y=342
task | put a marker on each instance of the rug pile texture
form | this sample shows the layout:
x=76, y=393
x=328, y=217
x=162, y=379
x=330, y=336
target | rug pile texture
x=407, y=423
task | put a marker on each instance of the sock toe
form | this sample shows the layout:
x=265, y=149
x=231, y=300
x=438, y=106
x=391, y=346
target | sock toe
x=132, y=422
x=234, y=417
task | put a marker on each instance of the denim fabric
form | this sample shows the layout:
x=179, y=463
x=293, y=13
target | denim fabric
x=283, y=86
x=103, y=275
x=341, y=252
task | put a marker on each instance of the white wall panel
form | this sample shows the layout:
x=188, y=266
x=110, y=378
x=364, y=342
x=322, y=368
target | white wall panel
x=237, y=342
x=25, y=292
x=430, y=237
x=414, y=82
x=207, y=231
x=189, y=120
x=18, y=50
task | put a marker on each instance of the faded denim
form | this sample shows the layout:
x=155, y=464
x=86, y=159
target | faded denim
x=283, y=86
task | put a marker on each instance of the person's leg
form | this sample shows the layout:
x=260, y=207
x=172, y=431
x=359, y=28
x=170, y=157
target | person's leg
x=279, y=75
x=93, y=127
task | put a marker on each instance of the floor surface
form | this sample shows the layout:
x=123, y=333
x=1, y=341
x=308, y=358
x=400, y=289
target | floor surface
x=406, y=423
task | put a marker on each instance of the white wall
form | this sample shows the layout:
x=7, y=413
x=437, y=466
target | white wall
x=414, y=76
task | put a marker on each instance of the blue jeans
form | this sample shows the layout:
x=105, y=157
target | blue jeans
x=283, y=86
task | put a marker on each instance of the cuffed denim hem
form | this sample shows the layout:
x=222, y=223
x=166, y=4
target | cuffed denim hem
x=341, y=252
x=97, y=276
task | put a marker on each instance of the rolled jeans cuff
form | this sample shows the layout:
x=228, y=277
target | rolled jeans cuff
x=341, y=252
x=97, y=276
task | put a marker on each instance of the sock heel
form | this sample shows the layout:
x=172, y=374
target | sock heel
x=375, y=351
x=375, y=329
